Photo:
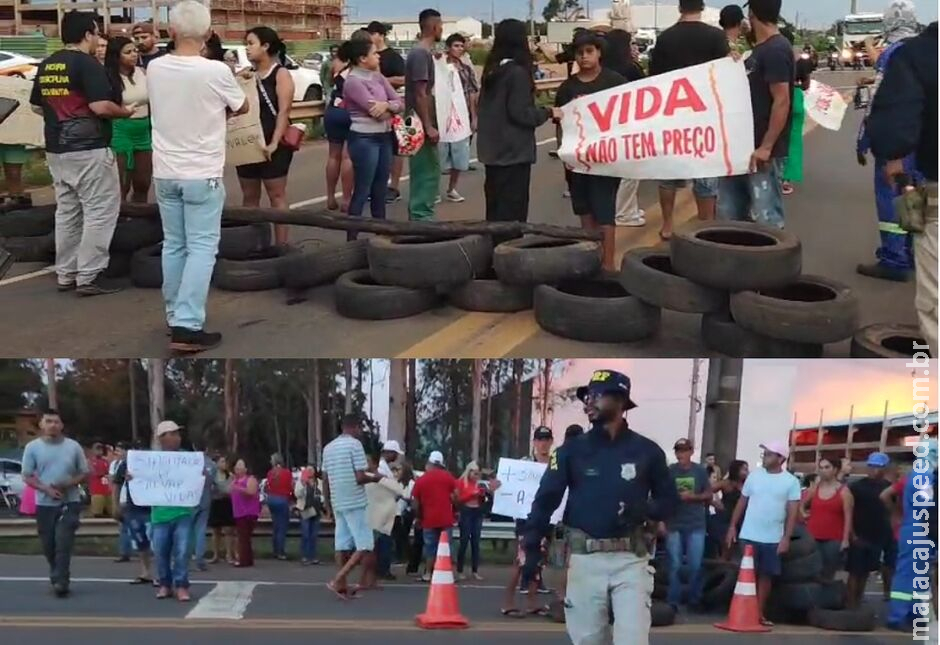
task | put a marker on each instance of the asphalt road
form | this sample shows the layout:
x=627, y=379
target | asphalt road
x=832, y=212
x=283, y=602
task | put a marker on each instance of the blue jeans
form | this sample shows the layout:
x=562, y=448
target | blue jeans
x=171, y=550
x=756, y=197
x=371, y=156
x=125, y=548
x=384, y=545
x=309, y=532
x=691, y=544
x=280, y=519
x=471, y=527
x=192, y=219
x=197, y=545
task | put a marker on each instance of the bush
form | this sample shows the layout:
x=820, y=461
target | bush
x=478, y=54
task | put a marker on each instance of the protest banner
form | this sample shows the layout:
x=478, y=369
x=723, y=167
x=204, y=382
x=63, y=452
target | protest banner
x=453, y=115
x=825, y=105
x=519, y=482
x=244, y=138
x=24, y=127
x=162, y=478
x=692, y=123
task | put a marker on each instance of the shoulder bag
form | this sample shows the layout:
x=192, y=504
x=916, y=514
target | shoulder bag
x=293, y=136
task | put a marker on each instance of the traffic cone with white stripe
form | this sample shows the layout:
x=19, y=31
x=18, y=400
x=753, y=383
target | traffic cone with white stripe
x=443, y=610
x=744, y=615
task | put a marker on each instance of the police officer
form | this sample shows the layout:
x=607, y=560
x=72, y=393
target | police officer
x=618, y=487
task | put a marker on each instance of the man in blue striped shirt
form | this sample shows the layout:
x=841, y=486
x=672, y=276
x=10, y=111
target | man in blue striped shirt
x=344, y=478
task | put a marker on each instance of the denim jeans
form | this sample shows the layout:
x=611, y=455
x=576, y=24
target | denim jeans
x=384, y=545
x=171, y=551
x=471, y=526
x=197, y=545
x=125, y=547
x=56, y=526
x=280, y=519
x=371, y=156
x=756, y=197
x=309, y=532
x=191, y=211
x=690, y=544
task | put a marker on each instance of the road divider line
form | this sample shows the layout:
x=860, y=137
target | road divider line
x=258, y=583
x=476, y=335
x=28, y=276
x=227, y=601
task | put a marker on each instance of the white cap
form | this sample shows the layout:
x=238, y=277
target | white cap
x=436, y=458
x=392, y=446
x=166, y=427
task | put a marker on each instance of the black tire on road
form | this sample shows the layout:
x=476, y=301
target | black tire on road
x=359, y=296
x=796, y=596
x=239, y=240
x=886, y=340
x=722, y=334
x=594, y=311
x=647, y=273
x=28, y=222
x=812, y=309
x=134, y=233
x=718, y=588
x=735, y=256
x=487, y=293
x=260, y=271
x=147, y=267
x=535, y=260
x=802, y=544
x=833, y=595
x=862, y=619
x=802, y=570
x=660, y=590
x=323, y=265
x=40, y=248
x=418, y=262
x=662, y=614
x=119, y=266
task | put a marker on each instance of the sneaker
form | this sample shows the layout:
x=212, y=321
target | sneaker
x=881, y=272
x=100, y=286
x=60, y=589
x=187, y=340
x=637, y=219
x=566, y=194
x=123, y=558
x=543, y=590
x=476, y=576
x=438, y=200
x=202, y=566
x=182, y=595
x=455, y=197
x=393, y=195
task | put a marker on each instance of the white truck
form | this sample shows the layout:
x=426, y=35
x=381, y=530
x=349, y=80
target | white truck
x=856, y=29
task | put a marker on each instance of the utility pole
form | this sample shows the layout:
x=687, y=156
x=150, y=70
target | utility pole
x=722, y=409
x=132, y=384
x=693, y=398
x=51, y=392
x=532, y=17
x=854, y=7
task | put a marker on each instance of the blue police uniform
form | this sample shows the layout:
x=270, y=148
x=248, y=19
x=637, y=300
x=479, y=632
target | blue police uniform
x=615, y=485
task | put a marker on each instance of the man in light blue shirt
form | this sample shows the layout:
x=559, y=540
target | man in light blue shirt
x=55, y=465
x=769, y=503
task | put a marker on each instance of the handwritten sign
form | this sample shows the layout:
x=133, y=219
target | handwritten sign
x=24, y=127
x=453, y=115
x=825, y=105
x=244, y=138
x=519, y=482
x=161, y=478
x=694, y=122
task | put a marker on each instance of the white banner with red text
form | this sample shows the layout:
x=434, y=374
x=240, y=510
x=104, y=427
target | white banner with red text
x=688, y=124
x=825, y=105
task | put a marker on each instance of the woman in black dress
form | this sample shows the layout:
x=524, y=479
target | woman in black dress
x=221, y=520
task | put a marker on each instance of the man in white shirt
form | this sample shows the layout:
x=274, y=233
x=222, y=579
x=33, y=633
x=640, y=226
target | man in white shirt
x=190, y=100
x=391, y=453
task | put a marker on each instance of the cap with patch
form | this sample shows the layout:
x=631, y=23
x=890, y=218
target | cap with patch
x=683, y=444
x=543, y=433
x=607, y=382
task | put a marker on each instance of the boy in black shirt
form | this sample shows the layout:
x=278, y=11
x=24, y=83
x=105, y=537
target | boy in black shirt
x=593, y=197
x=771, y=71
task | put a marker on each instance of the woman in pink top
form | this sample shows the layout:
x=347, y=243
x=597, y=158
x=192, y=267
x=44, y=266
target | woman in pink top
x=246, y=507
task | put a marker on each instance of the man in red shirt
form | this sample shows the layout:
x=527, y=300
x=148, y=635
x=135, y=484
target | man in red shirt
x=99, y=483
x=434, y=496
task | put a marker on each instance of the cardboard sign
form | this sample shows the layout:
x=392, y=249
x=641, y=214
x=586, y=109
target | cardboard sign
x=692, y=123
x=825, y=105
x=453, y=115
x=244, y=139
x=161, y=478
x=24, y=127
x=519, y=482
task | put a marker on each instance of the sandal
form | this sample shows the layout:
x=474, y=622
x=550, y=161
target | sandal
x=342, y=594
x=544, y=612
x=141, y=580
x=164, y=593
x=766, y=623
x=512, y=613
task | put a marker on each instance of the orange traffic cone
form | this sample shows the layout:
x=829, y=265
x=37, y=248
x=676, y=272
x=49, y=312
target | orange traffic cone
x=443, y=610
x=744, y=615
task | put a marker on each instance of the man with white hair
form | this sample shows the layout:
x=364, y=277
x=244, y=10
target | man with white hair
x=191, y=98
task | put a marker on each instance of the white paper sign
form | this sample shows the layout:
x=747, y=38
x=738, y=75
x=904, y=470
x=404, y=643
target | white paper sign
x=161, y=478
x=453, y=115
x=519, y=482
x=24, y=127
x=694, y=122
x=824, y=105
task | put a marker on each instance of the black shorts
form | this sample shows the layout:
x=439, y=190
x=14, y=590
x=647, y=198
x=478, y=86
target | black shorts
x=863, y=557
x=278, y=166
x=594, y=195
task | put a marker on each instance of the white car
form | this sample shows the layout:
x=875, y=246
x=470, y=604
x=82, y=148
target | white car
x=11, y=482
x=307, y=85
x=18, y=65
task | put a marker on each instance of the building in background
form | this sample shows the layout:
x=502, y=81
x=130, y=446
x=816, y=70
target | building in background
x=656, y=16
x=406, y=29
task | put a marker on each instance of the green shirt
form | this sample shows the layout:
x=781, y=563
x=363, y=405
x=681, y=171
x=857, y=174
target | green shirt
x=166, y=514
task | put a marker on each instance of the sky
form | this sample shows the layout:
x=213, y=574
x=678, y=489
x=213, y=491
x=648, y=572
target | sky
x=813, y=13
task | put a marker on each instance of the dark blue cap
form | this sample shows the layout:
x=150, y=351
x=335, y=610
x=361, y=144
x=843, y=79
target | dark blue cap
x=607, y=382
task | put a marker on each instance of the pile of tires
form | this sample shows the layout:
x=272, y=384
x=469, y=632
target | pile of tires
x=718, y=580
x=132, y=235
x=29, y=233
x=745, y=280
x=886, y=340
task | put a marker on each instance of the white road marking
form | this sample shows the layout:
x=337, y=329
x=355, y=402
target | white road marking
x=227, y=601
x=259, y=583
x=26, y=276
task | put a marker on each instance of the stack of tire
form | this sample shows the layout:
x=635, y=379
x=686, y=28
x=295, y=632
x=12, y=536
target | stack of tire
x=718, y=580
x=887, y=340
x=29, y=233
x=799, y=596
x=131, y=236
x=745, y=279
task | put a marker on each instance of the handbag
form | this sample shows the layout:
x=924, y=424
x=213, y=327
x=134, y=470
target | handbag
x=409, y=134
x=293, y=136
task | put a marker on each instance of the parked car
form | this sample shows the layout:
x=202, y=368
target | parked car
x=11, y=482
x=12, y=64
x=307, y=85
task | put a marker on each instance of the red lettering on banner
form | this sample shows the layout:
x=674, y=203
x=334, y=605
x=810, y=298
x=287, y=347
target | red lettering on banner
x=603, y=120
x=642, y=110
x=625, y=103
x=682, y=95
x=639, y=145
x=690, y=142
